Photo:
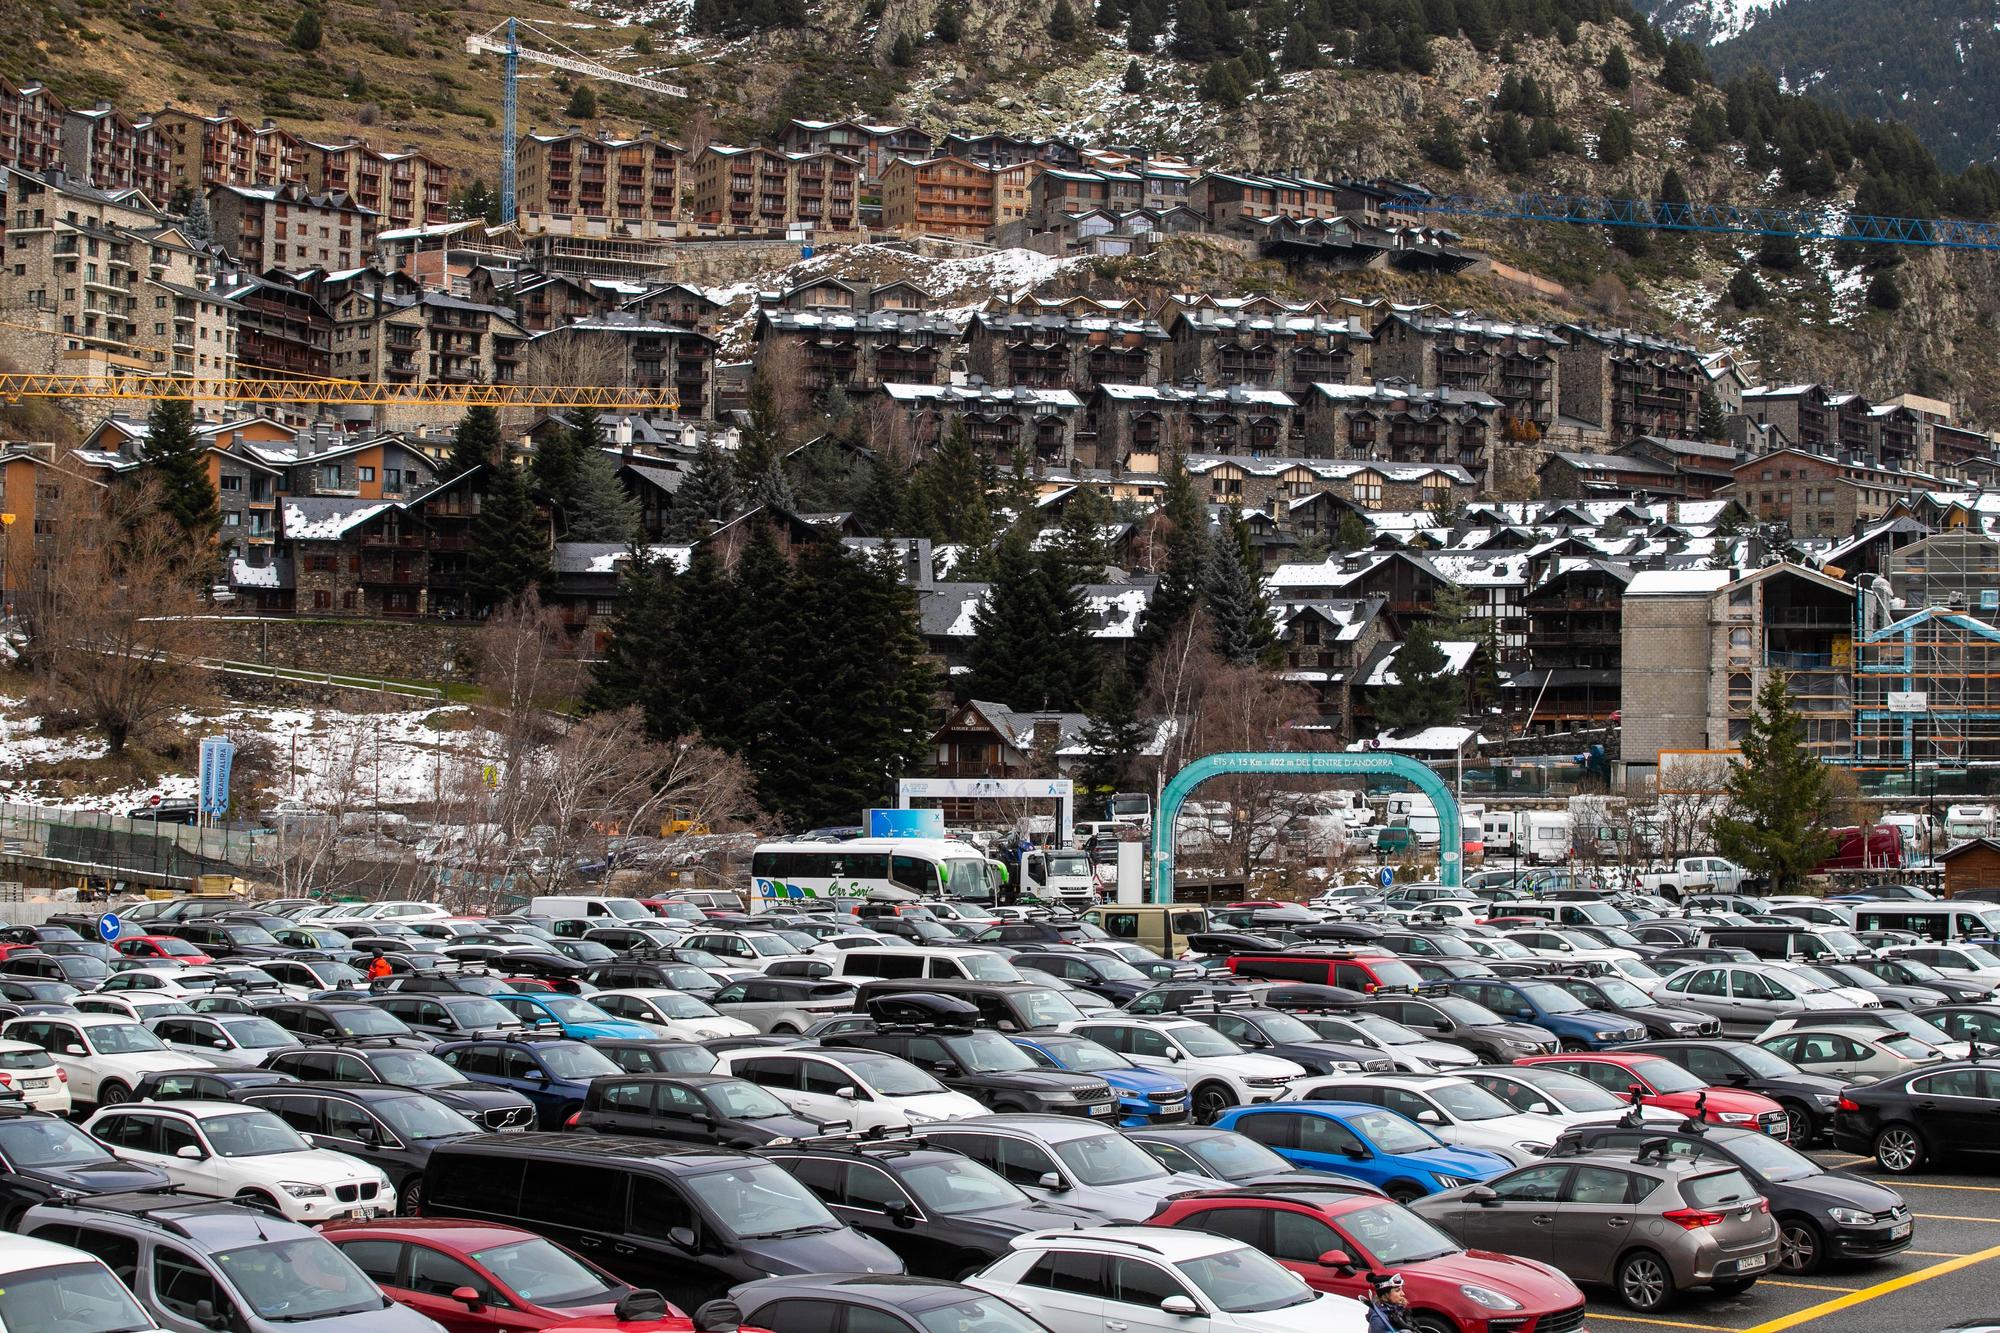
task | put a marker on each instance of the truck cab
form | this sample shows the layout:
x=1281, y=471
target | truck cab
x=1059, y=875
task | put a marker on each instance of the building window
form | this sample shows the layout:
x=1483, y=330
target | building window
x=329, y=475
x=232, y=483
x=365, y=473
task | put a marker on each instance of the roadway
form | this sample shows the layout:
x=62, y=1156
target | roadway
x=1950, y=1275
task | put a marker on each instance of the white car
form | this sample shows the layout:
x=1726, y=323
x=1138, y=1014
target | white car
x=48, y=1286
x=1563, y=1096
x=671, y=1014
x=1219, y=1073
x=103, y=1056
x=1568, y=946
x=1159, y=1280
x=868, y=1089
x=1457, y=1110
x=29, y=1071
x=137, y=1005
x=239, y=1152
x=393, y=910
x=1853, y=996
x=229, y=1041
x=1973, y=962
x=1850, y=1051
x=173, y=982
x=756, y=949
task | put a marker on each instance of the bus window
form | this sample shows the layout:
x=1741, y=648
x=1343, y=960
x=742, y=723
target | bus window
x=910, y=873
x=969, y=879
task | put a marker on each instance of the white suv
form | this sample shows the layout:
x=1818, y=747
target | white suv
x=672, y=1013
x=29, y=1071
x=103, y=1056
x=1220, y=1073
x=44, y=1285
x=1457, y=1110
x=230, y=1151
x=867, y=1089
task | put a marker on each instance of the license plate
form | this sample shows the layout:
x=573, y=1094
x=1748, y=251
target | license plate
x=1751, y=1264
x=1900, y=1230
x=356, y=1214
x=1102, y=1110
x=1779, y=1129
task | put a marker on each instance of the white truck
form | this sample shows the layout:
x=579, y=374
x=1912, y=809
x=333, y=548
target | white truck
x=1695, y=874
x=1062, y=875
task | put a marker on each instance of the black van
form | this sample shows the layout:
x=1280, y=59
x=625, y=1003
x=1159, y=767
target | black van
x=1011, y=1006
x=693, y=1221
x=1802, y=943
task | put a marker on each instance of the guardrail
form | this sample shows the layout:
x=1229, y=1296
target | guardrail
x=333, y=680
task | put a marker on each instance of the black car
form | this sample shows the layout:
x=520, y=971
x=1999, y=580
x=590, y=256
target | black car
x=78, y=970
x=655, y=974
x=983, y=1065
x=43, y=933
x=1024, y=934
x=386, y=1064
x=1275, y=1032
x=1111, y=978
x=1966, y=1022
x=944, y=1213
x=628, y=939
x=667, y=1216
x=656, y=1056
x=238, y=941
x=695, y=1108
x=35, y=990
x=452, y=983
x=1809, y=1099
x=449, y=1015
x=1175, y=996
x=1615, y=995
x=44, y=1157
x=339, y=1020
x=877, y=1304
x=1458, y=969
x=391, y=1128
x=1906, y=1121
x=1822, y=1215
x=1455, y=1019
x=1909, y=972
x=203, y=1085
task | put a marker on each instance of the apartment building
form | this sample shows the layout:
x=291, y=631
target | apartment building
x=873, y=147
x=286, y=226
x=939, y=196
x=1515, y=363
x=1266, y=343
x=825, y=190
x=1006, y=150
x=581, y=174
x=742, y=187
x=651, y=354
x=1629, y=384
x=31, y=127
x=1400, y=422
x=225, y=149
x=404, y=190
x=282, y=330
x=855, y=351
x=999, y=422
x=105, y=148
x=1818, y=495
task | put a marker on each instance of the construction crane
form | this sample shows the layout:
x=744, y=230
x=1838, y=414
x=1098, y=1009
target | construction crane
x=511, y=54
x=1807, y=224
x=200, y=388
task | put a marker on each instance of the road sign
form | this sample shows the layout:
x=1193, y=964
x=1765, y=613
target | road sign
x=108, y=927
x=1386, y=876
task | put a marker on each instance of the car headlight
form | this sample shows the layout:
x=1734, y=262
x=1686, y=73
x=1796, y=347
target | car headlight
x=1348, y=1066
x=1826, y=1101
x=299, y=1189
x=921, y=1117
x=1531, y=1047
x=1448, y=1182
x=1850, y=1217
x=1487, y=1297
x=1538, y=1149
x=1685, y=1028
x=1735, y=1118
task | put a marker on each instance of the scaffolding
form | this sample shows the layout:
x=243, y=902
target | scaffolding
x=1927, y=691
x=1959, y=568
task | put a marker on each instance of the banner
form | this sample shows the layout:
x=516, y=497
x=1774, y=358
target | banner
x=213, y=784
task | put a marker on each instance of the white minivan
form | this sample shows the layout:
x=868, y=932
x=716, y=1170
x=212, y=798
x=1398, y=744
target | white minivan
x=625, y=909
x=871, y=962
x=44, y=1285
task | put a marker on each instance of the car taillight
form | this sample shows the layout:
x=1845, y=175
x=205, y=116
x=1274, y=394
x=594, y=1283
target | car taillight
x=6, y=1080
x=1847, y=1104
x=574, y=1116
x=62, y=1075
x=1692, y=1219
x=1763, y=1205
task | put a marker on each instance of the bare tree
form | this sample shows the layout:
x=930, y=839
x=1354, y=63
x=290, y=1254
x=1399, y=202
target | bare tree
x=110, y=596
x=781, y=361
x=576, y=356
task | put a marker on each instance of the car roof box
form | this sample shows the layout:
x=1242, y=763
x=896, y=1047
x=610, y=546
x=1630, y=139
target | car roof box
x=922, y=1009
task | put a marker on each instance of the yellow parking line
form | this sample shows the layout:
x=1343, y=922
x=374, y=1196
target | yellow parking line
x=1845, y=1158
x=1953, y=1217
x=1932, y=1254
x=1595, y=1317
x=1867, y=1294
x=1803, y=1286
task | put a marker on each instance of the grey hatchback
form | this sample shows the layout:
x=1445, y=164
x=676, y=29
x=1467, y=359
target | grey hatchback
x=1646, y=1225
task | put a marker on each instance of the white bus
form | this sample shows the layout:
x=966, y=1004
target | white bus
x=933, y=867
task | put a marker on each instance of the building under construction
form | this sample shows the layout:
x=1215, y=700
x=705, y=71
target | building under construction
x=1927, y=663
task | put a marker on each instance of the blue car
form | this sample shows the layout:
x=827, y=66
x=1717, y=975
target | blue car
x=1547, y=1005
x=572, y=1017
x=1369, y=1143
x=552, y=1072
x=1145, y=1096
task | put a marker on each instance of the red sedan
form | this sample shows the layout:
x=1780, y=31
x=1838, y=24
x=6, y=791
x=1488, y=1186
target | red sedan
x=477, y=1277
x=1663, y=1083
x=1336, y=1241
x=162, y=946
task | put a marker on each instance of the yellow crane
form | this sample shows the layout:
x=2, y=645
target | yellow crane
x=313, y=392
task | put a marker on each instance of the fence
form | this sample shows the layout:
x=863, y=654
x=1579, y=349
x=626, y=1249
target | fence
x=105, y=844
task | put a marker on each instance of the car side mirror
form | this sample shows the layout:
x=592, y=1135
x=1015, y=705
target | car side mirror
x=898, y=1212
x=848, y=1093
x=1540, y=1108
x=71, y=1048
x=189, y=1152
x=1051, y=1180
x=1441, y=1025
x=1739, y=1078
x=1173, y=1057
x=468, y=1297
x=683, y=1238
x=206, y=1315
x=1340, y=1259
x=1180, y=1305
x=447, y=1025
x=1429, y=1117
x=536, y=1076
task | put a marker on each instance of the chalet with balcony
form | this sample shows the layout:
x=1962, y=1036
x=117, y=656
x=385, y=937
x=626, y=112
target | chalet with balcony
x=680, y=303
x=1515, y=363
x=1133, y=426
x=1397, y=421
x=1281, y=486
x=31, y=130
x=1574, y=642
x=282, y=331
x=540, y=301
x=106, y=148
x=1569, y=475
x=578, y=174
x=938, y=196
x=873, y=147
x=1326, y=642
x=1064, y=351
x=1629, y=384
x=855, y=352
x=1265, y=345
x=1007, y=150
x=1704, y=465
x=1001, y=422
x=651, y=355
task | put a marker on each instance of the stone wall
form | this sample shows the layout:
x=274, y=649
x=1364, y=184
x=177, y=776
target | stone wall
x=424, y=650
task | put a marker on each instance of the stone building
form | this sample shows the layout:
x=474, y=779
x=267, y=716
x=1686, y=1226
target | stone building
x=1515, y=363
x=1261, y=342
x=285, y=226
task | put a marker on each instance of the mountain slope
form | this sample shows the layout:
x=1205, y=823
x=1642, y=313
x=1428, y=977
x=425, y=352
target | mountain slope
x=1706, y=22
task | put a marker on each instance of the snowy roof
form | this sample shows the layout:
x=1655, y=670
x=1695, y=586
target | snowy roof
x=277, y=574
x=588, y=557
x=1382, y=671
x=987, y=395
x=1430, y=740
x=325, y=519
x=947, y=610
x=1201, y=397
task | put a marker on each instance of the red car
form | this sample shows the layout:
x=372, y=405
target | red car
x=162, y=946
x=1450, y=1288
x=1664, y=1083
x=476, y=1277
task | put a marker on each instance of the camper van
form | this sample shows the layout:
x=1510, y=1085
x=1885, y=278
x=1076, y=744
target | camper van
x=1543, y=835
x=1963, y=823
x=1414, y=811
x=1496, y=831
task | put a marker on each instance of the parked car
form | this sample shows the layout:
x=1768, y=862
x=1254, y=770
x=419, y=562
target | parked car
x=1406, y=1048
x=1906, y=1121
x=28, y=1072
x=1366, y=1142
x=1144, y=1096
x=1067, y=1160
x=1459, y=1021
x=45, y=1157
x=659, y=1056
x=101, y=1056
x=984, y=1065
x=228, y=1041
x=869, y=1089
x=1455, y=1109
x=1234, y=1159
x=1544, y=1004
x=204, y=1085
x=1653, y=1080
x=883, y=1305
x=1616, y=995
x=44, y=1285
x=364, y=1063
x=1806, y=1097
x=670, y=1013
x=392, y=1129
x=1219, y=1072
x=693, y=1108
x=1854, y=1053
x=780, y=1004
x=1538, y=1090
x=572, y=1016
x=553, y=1073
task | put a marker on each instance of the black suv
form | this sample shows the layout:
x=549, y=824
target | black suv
x=662, y=1055
x=694, y=1108
x=391, y=1128
x=449, y=1015
x=944, y=1213
x=44, y=1157
x=385, y=1064
x=983, y=1065
x=654, y=974
x=239, y=941
x=339, y=1020
x=1276, y=1032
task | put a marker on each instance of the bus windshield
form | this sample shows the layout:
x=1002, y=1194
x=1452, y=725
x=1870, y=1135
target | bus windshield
x=967, y=878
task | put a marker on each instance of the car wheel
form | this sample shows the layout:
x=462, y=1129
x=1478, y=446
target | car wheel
x=1899, y=1148
x=410, y=1199
x=1212, y=1101
x=1433, y=1323
x=1801, y=1244
x=1402, y=1191
x=1573, y=1046
x=259, y=1200
x=1798, y=1125
x=784, y=1030
x=112, y=1092
x=1644, y=1282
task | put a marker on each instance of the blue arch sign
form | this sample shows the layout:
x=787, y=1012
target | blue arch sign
x=1451, y=838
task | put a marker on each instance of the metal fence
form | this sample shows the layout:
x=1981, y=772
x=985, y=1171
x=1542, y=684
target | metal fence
x=105, y=843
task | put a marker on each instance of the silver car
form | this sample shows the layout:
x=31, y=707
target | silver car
x=1743, y=997
x=1063, y=1159
x=229, y=1041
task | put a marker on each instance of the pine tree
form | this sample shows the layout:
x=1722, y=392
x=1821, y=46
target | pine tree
x=1883, y=291
x=582, y=104
x=1634, y=241
x=1440, y=145
x=1221, y=84
x=179, y=462
x=604, y=510
x=507, y=549
x=1300, y=51
x=553, y=470
x=641, y=661
x=1614, y=138
x=1142, y=28
x=1745, y=292
x=1780, y=251
x=947, y=25
x=947, y=499
x=1413, y=49
x=1079, y=539
x=305, y=34
x=1712, y=424
x=1238, y=609
x=1351, y=534
x=1107, y=15
x=1112, y=735
x=1510, y=146
x=707, y=495
x=476, y=440
x=1031, y=645
x=903, y=52
x=1426, y=693
x=1673, y=190
x=763, y=443
x=708, y=674
x=1062, y=22
x=1780, y=804
x=1178, y=590
x=882, y=504
x=199, y=229
x=1683, y=68
x=1135, y=77
x=1617, y=70
x=773, y=490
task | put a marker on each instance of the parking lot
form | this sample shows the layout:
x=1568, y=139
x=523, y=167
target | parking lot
x=1950, y=1275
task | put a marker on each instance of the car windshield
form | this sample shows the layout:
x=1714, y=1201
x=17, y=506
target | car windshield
x=1390, y=1132
x=413, y=1069
x=1636, y=968
x=890, y=1076
x=369, y=1023
x=1395, y=1236
x=122, y=1039
x=753, y=1202
x=1068, y=863
x=1044, y=1008
x=335, y=975
x=981, y=1314
x=1085, y=1057
x=258, y=1033
x=572, y=1010
x=291, y=1281
x=48, y=1143
x=769, y=946
x=1912, y=969
x=574, y=1060
x=542, y=1272
x=1771, y=1159
x=175, y=947
x=1243, y=1281
x=1108, y=1159
x=1205, y=1042
x=990, y=1053
x=1469, y=1101
x=1283, y=1027
x=69, y=1298
x=700, y=958
x=25, y=1059
x=686, y=976
x=740, y=1099
x=1552, y=999
x=1623, y=994
x=1465, y=1011
x=1762, y=1063
x=672, y=1004
x=587, y=951
x=1665, y=1076
x=959, y=1186
x=1385, y=1030
x=1568, y=1091
x=1233, y=1156
x=251, y=1134
x=1503, y=949
x=1976, y=957
x=1908, y=1047
x=982, y=966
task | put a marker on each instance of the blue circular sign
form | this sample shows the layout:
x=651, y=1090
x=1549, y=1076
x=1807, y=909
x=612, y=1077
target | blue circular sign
x=108, y=927
x=1386, y=876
